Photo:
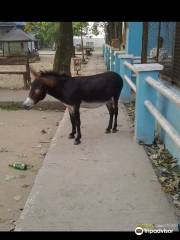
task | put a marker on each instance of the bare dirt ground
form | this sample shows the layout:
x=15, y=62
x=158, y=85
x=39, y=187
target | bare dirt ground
x=16, y=81
x=22, y=141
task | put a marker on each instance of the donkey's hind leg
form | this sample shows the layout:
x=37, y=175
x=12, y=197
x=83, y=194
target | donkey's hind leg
x=72, y=118
x=111, y=113
x=115, y=115
x=78, y=124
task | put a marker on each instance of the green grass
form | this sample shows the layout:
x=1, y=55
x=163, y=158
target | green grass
x=14, y=106
x=10, y=106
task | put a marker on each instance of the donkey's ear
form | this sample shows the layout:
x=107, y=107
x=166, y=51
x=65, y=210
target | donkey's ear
x=34, y=73
x=49, y=82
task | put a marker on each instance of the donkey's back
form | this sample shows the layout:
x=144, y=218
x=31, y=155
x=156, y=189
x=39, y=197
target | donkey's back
x=100, y=87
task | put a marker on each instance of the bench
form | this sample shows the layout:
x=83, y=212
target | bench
x=21, y=61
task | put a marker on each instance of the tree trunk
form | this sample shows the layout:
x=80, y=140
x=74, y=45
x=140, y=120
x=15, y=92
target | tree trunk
x=111, y=32
x=119, y=27
x=108, y=33
x=82, y=46
x=64, y=48
x=144, y=43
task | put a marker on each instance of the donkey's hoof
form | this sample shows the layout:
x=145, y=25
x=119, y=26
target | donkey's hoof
x=71, y=136
x=108, y=130
x=77, y=141
x=114, y=130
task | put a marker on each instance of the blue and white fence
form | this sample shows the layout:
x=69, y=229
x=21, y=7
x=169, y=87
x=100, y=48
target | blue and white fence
x=143, y=79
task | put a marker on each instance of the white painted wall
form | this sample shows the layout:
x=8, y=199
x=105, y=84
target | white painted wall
x=98, y=42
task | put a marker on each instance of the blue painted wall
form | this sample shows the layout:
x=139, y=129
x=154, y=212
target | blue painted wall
x=167, y=32
x=134, y=38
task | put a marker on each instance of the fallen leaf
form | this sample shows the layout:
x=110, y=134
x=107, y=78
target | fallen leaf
x=177, y=203
x=8, y=177
x=162, y=179
x=17, y=197
x=25, y=185
x=3, y=149
x=43, y=131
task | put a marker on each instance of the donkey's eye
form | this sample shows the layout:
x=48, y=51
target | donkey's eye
x=37, y=91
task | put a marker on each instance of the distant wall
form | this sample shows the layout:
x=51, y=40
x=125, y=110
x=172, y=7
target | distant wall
x=98, y=42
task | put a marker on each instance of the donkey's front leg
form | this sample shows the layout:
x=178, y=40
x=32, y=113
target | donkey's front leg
x=116, y=114
x=78, y=124
x=72, y=118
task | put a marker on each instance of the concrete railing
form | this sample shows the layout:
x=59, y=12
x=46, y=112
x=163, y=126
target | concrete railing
x=164, y=90
x=131, y=84
x=168, y=128
x=143, y=80
x=130, y=66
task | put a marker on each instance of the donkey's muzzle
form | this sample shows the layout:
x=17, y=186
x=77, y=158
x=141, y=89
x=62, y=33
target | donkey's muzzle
x=28, y=103
x=26, y=107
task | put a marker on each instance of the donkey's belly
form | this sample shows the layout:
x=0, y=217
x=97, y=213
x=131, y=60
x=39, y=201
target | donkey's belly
x=92, y=104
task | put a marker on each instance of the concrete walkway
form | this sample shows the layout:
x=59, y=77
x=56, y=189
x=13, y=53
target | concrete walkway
x=106, y=183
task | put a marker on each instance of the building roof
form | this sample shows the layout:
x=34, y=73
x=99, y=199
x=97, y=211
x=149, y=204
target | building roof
x=7, y=24
x=16, y=35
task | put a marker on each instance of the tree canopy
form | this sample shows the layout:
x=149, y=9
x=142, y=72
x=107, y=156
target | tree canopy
x=79, y=27
x=46, y=32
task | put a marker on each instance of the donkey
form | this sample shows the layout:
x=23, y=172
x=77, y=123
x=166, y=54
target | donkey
x=75, y=92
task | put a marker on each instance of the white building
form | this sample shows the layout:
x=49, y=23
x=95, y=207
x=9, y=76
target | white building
x=98, y=41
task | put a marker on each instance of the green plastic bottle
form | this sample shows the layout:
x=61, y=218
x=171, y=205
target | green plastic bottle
x=19, y=166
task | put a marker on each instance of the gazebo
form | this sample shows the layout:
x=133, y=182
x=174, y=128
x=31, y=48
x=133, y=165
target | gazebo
x=17, y=43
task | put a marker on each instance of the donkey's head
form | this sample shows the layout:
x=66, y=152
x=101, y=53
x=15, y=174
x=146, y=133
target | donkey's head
x=39, y=87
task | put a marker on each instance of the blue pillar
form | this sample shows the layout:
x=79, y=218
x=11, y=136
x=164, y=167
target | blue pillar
x=144, y=121
x=112, y=61
x=108, y=58
x=117, y=55
x=134, y=38
x=117, y=63
x=126, y=91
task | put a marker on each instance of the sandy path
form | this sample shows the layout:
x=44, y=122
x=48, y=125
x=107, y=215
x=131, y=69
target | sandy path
x=21, y=137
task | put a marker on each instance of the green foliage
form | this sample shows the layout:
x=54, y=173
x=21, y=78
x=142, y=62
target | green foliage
x=46, y=32
x=80, y=28
x=94, y=29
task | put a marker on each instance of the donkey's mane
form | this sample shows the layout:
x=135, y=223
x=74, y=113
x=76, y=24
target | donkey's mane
x=52, y=73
